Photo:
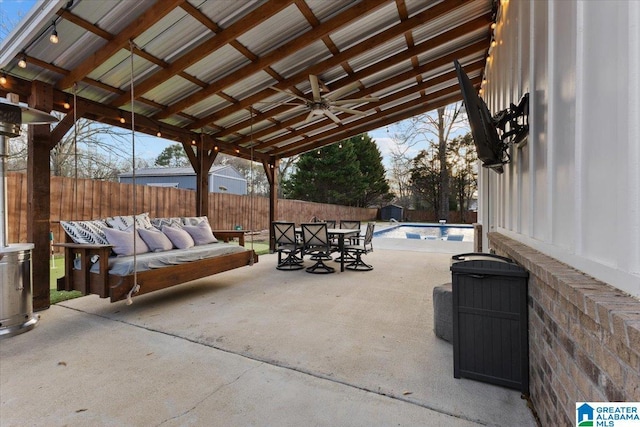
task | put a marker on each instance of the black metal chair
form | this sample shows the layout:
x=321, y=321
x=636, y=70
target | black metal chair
x=363, y=247
x=331, y=223
x=316, y=244
x=349, y=225
x=286, y=243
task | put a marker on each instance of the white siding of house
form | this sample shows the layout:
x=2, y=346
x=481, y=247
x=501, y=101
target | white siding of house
x=573, y=191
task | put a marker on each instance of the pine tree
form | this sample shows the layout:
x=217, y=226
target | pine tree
x=347, y=173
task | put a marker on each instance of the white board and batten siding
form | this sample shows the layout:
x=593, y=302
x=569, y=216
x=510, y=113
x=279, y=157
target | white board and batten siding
x=573, y=190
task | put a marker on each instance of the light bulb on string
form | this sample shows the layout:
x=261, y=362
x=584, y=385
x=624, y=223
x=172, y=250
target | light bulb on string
x=22, y=63
x=3, y=79
x=53, y=38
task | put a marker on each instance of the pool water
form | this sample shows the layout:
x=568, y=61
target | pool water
x=428, y=232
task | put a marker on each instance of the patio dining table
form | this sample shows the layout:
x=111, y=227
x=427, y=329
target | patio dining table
x=339, y=233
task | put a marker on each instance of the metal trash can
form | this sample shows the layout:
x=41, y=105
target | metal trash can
x=490, y=329
x=16, y=304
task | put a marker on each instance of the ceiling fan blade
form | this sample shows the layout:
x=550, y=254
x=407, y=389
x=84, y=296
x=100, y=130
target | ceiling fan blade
x=355, y=100
x=339, y=93
x=349, y=110
x=315, y=87
x=332, y=116
x=310, y=116
x=289, y=93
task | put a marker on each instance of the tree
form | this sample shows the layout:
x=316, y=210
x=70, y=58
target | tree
x=435, y=128
x=88, y=150
x=376, y=191
x=348, y=173
x=425, y=178
x=464, y=174
x=173, y=156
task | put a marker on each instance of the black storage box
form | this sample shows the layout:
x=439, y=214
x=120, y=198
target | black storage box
x=490, y=330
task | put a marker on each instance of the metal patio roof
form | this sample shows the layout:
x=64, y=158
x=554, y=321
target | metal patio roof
x=208, y=70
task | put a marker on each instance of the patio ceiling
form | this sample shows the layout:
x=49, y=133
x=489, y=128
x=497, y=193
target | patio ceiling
x=210, y=70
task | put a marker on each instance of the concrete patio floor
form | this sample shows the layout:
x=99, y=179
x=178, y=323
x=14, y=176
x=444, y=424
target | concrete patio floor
x=256, y=347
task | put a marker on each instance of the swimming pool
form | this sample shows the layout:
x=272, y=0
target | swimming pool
x=427, y=231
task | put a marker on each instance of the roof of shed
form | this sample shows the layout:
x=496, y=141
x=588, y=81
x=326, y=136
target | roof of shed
x=210, y=71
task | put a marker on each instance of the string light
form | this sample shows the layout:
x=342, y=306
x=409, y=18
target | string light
x=494, y=43
x=22, y=63
x=3, y=79
x=122, y=120
x=66, y=104
x=53, y=38
x=493, y=26
x=159, y=134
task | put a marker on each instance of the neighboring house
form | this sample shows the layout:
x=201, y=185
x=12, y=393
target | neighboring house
x=567, y=207
x=222, y=179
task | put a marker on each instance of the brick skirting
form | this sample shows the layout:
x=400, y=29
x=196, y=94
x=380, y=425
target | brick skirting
x=584, y=336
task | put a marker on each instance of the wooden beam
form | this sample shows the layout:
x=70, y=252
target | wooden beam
x=418, y=20
x=39, y=196
x=408, y=75
x=139, y=25
x=274, y=56
x=205, y=48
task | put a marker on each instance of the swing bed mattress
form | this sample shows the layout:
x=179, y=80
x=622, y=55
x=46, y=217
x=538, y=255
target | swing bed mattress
x=126, y=265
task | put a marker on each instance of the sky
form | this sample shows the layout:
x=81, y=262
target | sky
x=149, y=147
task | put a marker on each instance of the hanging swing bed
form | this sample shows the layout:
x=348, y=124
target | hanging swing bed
x=92, y=268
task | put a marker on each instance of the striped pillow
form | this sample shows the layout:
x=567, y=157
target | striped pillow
x=91, y=232
x=123, y=222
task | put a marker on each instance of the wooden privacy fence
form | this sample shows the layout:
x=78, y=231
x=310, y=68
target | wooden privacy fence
x=84, y=199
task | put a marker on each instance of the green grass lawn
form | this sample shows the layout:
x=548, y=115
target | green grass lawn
x=56, y=268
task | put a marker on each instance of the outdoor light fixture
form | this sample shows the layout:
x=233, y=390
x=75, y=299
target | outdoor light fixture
x=193, y=142
x=53, y=38
x=159, y=134
x=3, y=79
x=22, y=63
x=66, y=104
x=122, y=120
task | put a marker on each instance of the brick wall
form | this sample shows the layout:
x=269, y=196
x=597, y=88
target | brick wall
x=584, y=336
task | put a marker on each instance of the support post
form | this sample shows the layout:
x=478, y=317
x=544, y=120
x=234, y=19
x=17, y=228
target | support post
x=39, y=196
x=271, y=170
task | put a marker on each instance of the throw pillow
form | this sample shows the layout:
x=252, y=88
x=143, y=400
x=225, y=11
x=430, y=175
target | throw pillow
x=122, y=242
x=91, y=232
x=180, y=238
x=201, y=233
x=171, y=222
x=123, y=222
x=155, y=239
x=194, y=220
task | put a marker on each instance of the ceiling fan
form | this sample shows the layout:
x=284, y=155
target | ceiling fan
x=329, y=103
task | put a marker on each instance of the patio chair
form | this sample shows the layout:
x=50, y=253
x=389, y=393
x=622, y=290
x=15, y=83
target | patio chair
x=364, y=246
x=286, y=243
x=331, y=223
x=349, y=225
x=316, y=244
